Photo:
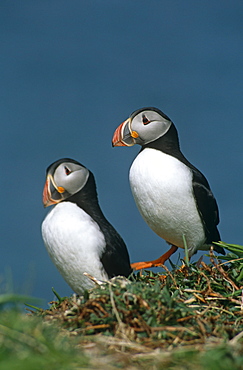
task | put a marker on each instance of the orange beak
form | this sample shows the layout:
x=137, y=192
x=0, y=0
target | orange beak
x=124, y=136
x=117, y=137
x=51, y=194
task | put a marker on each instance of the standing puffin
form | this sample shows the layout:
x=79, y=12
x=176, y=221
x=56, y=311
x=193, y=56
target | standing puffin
x=173, y=196
x=76, y=234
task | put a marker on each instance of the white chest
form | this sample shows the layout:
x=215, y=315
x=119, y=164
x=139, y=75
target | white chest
x=162, y=189
x=74, y=243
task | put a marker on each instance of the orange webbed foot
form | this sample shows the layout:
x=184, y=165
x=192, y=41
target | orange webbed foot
x=155, y=263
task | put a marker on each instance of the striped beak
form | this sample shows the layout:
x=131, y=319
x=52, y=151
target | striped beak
x=124, y=136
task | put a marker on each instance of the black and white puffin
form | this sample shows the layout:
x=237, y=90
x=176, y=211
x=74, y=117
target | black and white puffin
x=76, y=234
x=173, y=197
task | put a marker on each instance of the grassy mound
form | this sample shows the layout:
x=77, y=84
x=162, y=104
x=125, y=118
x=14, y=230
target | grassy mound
x=196, y=308
x=187, y=318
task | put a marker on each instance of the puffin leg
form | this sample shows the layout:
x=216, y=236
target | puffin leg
x=155, y=263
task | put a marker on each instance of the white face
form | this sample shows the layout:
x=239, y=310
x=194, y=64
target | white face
x=149, y=125
x=70, y=176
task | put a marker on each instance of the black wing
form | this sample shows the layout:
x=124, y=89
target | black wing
x=207, y=208
x=115, y=258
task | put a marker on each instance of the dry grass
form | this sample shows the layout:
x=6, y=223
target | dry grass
x=190, y=316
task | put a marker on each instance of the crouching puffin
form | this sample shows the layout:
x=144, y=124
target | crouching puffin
x=173, y=196
x=76, y=234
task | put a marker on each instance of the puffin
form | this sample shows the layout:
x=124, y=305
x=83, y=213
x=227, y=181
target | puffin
x=173, y=197
x=77, y=236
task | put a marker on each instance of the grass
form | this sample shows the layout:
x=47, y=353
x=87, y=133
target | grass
x=188, y=318
x=28, y=343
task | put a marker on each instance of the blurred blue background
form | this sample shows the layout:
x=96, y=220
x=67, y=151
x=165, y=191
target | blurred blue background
x=71, y=72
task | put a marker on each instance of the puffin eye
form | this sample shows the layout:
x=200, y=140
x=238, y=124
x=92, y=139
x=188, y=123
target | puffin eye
x=67, y=170
x=145, y=120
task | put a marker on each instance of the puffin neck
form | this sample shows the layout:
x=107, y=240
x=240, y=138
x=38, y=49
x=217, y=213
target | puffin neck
x=87, y=199
x=169, y=144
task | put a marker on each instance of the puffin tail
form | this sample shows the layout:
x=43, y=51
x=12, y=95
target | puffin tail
x=219, y=249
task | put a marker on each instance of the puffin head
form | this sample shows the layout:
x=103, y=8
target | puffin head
x=142, y=127
x=64, y=178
